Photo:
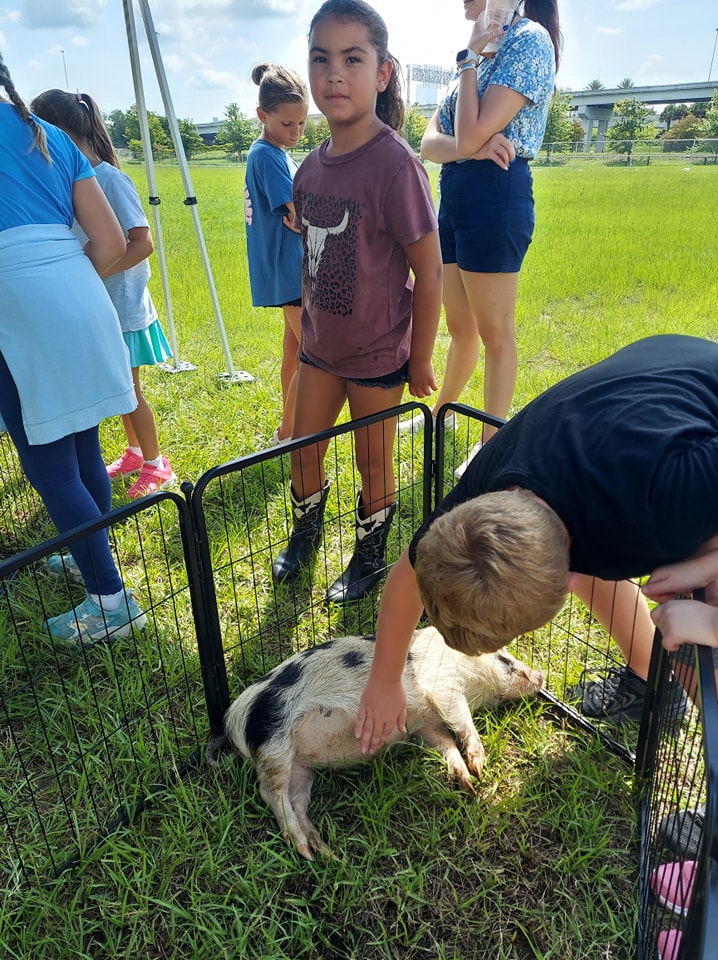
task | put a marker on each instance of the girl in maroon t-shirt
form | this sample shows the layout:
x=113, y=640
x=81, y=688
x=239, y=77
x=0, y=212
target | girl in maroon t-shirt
x=364, y=205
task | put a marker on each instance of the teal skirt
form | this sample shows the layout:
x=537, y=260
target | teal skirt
x=147, y=347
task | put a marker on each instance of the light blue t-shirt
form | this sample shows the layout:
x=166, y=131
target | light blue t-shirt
x=128, y=289
x=274, y=251
x=33, y=190
x=525, y=62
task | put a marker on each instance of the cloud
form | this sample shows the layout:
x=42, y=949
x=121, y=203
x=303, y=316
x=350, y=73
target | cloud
x=652, y=69
x=80, y=42
x=628, y=6
x=610, y=31
x=37, y=14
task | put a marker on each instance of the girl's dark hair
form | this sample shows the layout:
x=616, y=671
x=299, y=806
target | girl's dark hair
x=79, y=115
x=545, y=12
x=39, y=140
x=278, y=85
x=389, y=103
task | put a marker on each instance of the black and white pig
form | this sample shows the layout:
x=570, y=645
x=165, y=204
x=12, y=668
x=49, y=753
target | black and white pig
x=301, y=715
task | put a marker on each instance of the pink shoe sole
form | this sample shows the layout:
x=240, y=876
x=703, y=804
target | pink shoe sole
x=129, y=462
x=151, y=479
x=672, y=884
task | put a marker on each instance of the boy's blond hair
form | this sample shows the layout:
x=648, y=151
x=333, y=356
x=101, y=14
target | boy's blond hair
x=493, y=568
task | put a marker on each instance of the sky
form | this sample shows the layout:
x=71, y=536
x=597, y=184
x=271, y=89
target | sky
x=208, y=47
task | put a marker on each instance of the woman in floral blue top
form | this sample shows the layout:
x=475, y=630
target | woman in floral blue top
x=490, y=124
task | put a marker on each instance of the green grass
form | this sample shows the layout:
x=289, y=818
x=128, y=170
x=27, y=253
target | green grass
x=544, y=863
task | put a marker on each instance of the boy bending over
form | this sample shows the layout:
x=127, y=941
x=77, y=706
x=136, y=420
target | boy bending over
x=609, y=474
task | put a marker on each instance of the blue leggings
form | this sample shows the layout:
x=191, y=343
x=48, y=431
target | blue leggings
x=70, y=476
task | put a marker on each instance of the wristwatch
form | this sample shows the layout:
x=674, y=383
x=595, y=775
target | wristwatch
x=466, y=56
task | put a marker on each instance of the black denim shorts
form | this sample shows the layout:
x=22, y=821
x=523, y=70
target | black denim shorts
x=388, y=381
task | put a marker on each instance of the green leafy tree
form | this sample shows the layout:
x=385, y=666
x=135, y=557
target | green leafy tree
x=559, y=126
x=192, y=142
x=625, y=84
x=709, y=126
x=414, y=127
x=116, y=122
x=578, y=132
x=159, y=138
x=699, y=109
x=309, y=137
x=633, y=122
x=323, y=131
x=236, y=132
x=595, y=85
x=686, y=129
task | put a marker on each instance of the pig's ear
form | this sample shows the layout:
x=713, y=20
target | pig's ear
x=572, y=581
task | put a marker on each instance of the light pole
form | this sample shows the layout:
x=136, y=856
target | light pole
x=710, y=69
x=67, y=82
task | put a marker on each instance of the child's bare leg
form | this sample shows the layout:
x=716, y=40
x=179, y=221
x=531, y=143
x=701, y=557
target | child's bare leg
x=320, y=398
x=374, y=445
x=290, y=363
x=620, y=607
x=140, y=425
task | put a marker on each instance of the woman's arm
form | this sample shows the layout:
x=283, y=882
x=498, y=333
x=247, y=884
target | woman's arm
x=383, y=703
x=478, y=119
x=437, y=146
x=139, y=247
x=440, y=147
x=106, y=241
x=424, y=258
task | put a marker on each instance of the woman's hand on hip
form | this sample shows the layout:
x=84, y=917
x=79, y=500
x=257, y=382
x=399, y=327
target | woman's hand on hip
x=499, y=149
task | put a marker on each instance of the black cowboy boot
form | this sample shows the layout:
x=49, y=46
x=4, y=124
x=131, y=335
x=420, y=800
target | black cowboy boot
x=305, y=537
x=368, y=563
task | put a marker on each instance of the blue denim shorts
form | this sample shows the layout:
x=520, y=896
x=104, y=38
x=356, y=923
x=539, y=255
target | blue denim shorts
x=486, y=215
x=388, y=381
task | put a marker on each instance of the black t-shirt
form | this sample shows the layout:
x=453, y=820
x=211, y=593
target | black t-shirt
x=625, y=452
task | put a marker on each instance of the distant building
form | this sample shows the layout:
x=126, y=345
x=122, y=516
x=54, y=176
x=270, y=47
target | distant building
x=426, y=83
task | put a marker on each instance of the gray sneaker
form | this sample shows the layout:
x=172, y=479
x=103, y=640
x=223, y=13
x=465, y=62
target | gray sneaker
x=681, y=832
x=620, y=697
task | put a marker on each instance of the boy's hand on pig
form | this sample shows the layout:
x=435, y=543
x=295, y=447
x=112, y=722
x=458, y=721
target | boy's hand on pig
x=686, y=621
x=382, y=709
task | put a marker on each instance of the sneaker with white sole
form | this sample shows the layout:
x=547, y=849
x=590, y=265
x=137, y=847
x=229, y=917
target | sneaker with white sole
x=88, y=623
x=415, y=424
x=129, y=462
x=672, y=885
x=63, y=565
x=462, y=468
x=151, y=478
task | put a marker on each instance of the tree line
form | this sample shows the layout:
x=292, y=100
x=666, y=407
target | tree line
x=632, y=120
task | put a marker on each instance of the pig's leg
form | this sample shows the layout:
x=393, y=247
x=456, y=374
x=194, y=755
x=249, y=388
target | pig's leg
x=435, y=734
x=300, y=788
x=457, y=717
x=274, y=786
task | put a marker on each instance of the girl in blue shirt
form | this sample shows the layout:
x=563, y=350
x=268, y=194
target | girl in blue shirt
x=274, y=245
x=63, y=363
x=490, y=124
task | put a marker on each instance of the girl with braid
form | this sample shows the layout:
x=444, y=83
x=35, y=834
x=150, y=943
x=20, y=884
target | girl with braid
x=63, y=363
x=126, y=280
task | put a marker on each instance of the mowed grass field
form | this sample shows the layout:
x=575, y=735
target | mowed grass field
x=543, y=864
x=618, y=254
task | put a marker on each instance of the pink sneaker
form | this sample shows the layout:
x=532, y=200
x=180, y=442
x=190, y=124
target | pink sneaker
x=129, y=462
x=669, y=944
x=151, y=479
x=672, y=883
